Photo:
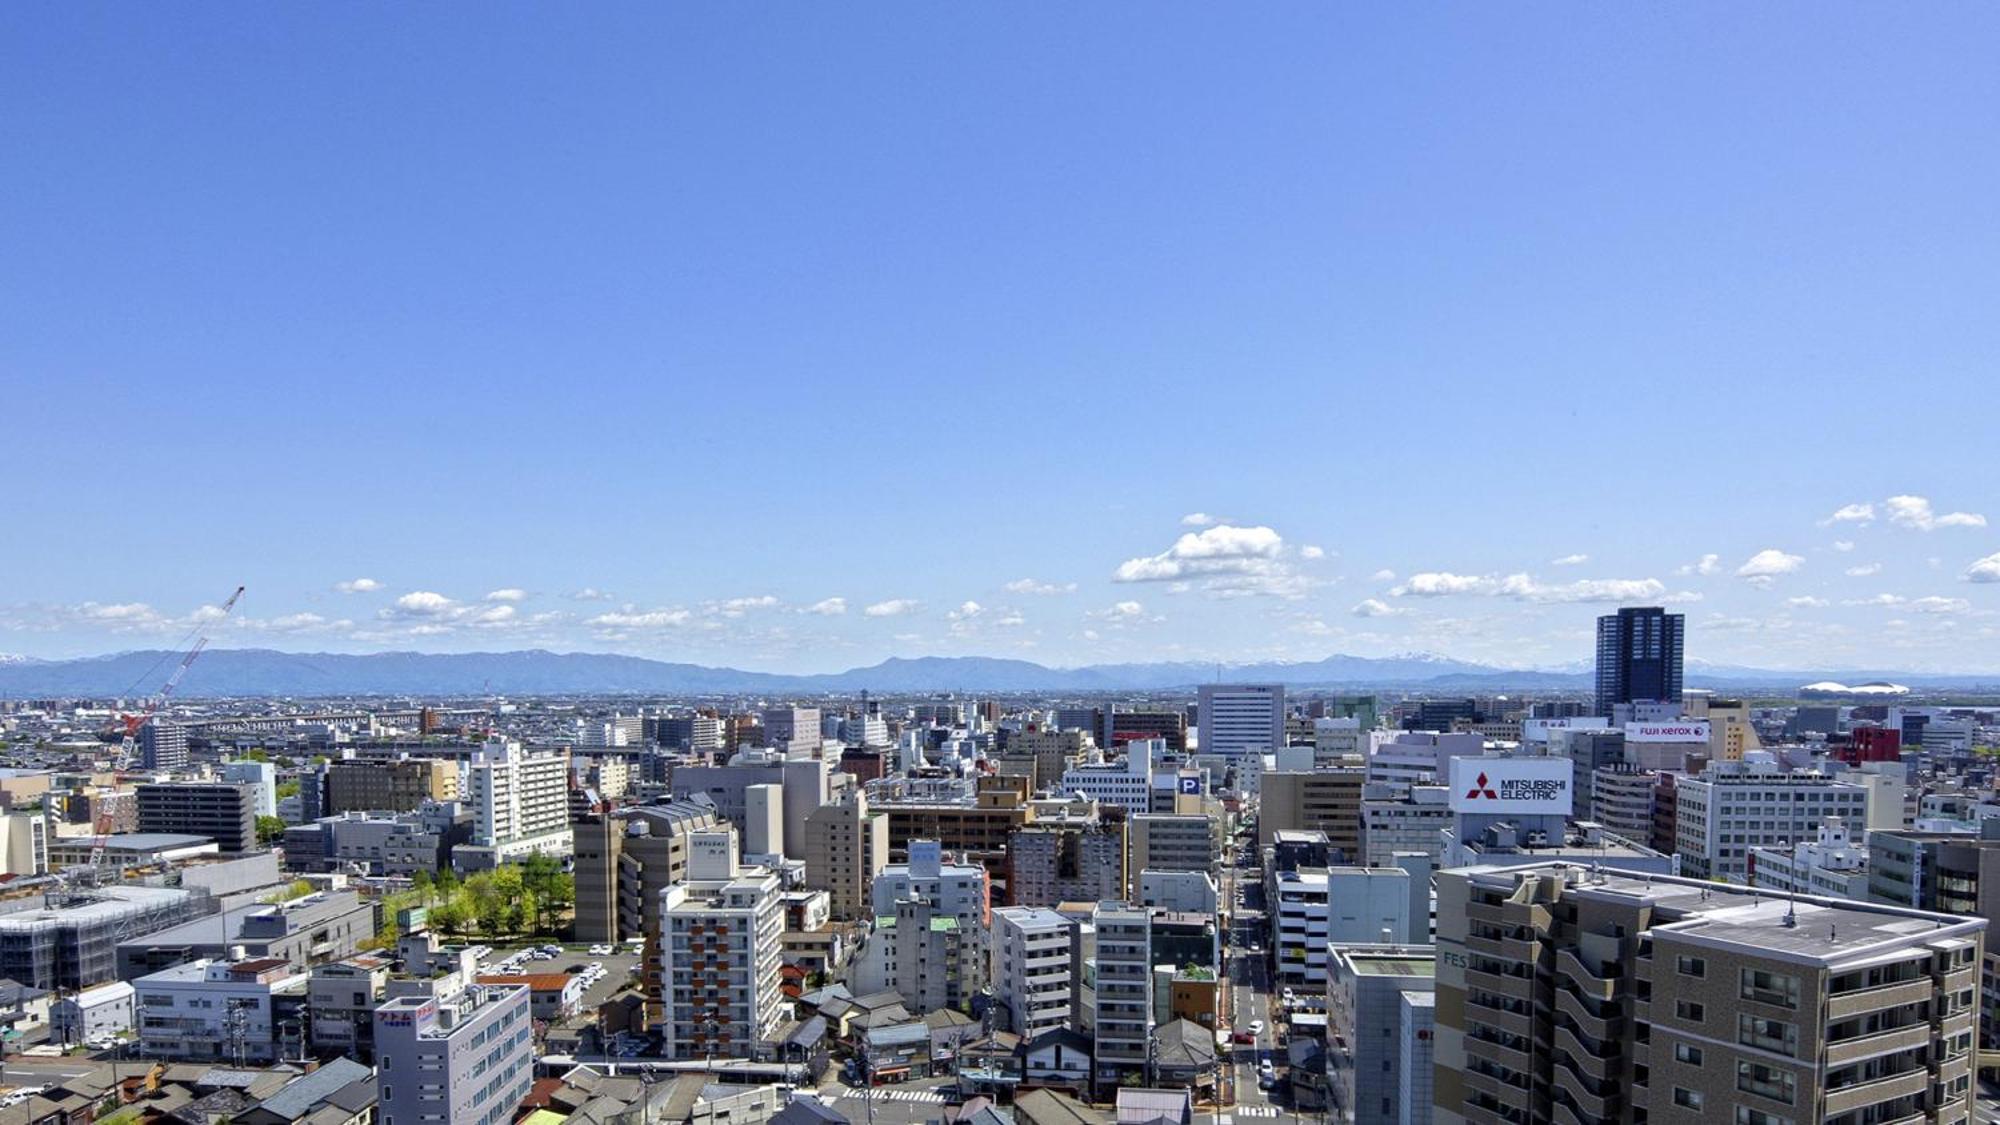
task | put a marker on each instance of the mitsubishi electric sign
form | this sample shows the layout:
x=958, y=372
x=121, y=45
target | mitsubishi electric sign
x=1512, y=785
x=1680, y=730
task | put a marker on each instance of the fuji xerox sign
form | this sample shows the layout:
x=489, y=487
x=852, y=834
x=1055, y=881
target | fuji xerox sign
x=1685, y=730
x=1511, y=785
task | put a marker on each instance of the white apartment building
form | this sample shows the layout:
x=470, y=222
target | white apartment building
x=1830, y=864
x=1622, y=800
x=519, y=801
x=25, y=838
x=1317, y=905
x=960, y=890
x=217, y=1011
x=1034, y=968
x=1124, y=992
x=1397, y=816
x=1233, y=720
x=721, y=934
x=1416, y=757
x=1379, y=1002
x=1733, y=807
x=1183, y=892
x=463, y=1055
x=260, y=776
x=1125, y=783
x=1337, y=740
x=924, y=956
x=792, y=729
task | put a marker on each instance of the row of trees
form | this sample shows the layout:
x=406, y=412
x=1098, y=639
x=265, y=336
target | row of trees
x=532, y=898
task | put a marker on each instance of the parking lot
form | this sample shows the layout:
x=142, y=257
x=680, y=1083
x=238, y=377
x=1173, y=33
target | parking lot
x=620, y=967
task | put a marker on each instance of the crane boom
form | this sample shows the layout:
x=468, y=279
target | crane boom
x=134, y=723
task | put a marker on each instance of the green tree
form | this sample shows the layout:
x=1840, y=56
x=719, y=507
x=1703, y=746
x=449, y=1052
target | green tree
x=448, y=918
x=270, y=829
x=287, y=789
x=424, y=887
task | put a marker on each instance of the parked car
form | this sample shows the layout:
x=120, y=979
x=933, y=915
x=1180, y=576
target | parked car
x=1243, y=1037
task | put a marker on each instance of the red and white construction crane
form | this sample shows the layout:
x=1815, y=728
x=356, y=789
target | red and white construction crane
x=134, y=723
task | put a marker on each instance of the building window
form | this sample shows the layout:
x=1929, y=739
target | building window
x=1768, y=1035
x=1689, y=1011
x=1686, y=1098
x=1691, y=966
x=1766, y=1081
x=1687, y=1053
x=1765, y=987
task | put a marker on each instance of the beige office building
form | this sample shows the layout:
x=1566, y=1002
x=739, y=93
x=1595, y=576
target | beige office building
x=401, y=785
x=847, y=845
x=1574, y=996
x=1326, y=801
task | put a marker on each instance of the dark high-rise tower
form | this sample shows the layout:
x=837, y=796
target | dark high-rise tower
x=1638, y=657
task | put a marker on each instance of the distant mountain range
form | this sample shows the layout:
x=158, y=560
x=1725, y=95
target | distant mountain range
x=262, y=672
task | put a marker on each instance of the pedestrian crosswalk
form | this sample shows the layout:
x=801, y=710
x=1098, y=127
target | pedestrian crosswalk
x=883, y=1093
x=1258, y=1110
x=931, y=1096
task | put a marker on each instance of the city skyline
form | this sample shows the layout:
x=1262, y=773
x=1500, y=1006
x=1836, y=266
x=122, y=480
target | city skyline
x=794, y=342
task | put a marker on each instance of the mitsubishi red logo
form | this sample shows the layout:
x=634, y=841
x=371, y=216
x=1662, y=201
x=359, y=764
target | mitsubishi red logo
x=1480, y=789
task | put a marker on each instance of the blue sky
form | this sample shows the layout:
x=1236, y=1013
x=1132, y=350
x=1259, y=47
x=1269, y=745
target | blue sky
x=721, y=315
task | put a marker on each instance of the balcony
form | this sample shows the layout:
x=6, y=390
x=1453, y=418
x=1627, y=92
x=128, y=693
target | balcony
x=1593, y=1107
x=1604, y=1028
x=1910, y=1083
x=1514, y=1023
x=1581, y=1048
x=1843, y=1004
x=1496, y=982
x=1849, y=1050
x=1494, y=1087
x=1509, y=1057
x=1589, y=983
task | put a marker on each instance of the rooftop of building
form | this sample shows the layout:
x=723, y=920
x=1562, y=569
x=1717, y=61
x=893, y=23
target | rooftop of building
x=1757, y=922
x=142, y=841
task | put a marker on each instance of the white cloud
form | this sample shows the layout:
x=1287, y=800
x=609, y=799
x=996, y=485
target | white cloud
x=1383, y=575
x=1310, y=551
x=1707, y=564
x=1807, y=602
x=737, y=607
x=1375, y=607
x=1843, y=545
x=509, y=594
x=1226, y=561
x=1878, y=599
x=828, y=607
x=1851, y=513
x=1769, y=563
x=1197, y=519
x=1941, y=605
x=1570, y=560
x=358, y=586
x=641, y=619
x=421, y=603
x=1915, y=512
x=966, y=611
x=1444, y=583
x=894, y=607
x=590, y=594
x=1121, y=614
x=1044, y=589
x=426, y=613
x=1864, y=570
x=1984, y=570
x=1523, y=587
